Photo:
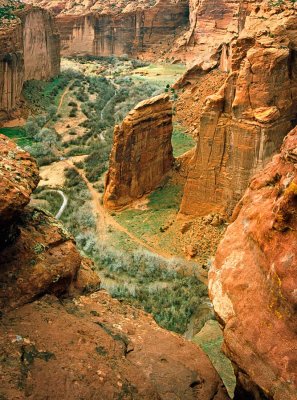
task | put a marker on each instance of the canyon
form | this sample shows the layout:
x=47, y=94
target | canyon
x=237, y=102
x=30, y=49
x=82, y=342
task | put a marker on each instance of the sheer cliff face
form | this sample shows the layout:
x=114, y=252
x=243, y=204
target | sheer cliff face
x=29, y=49
x=41, y=45
x=106, y=29
x=142, y=152
x=254, y=278
x=212, y=24
x=57, y=338
x=245, y=122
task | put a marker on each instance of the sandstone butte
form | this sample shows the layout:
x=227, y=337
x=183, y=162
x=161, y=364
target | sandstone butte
x=244, y=123
x=253, y=281
x=29, y=49
x=118, y=27
x=142, y=154
x=62, y=337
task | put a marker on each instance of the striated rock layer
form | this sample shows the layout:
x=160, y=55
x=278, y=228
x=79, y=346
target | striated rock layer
x=244, y=123
x=253, y=281
x=29, y=49
x=58, y=339
x=142, y=152
x=106, y=28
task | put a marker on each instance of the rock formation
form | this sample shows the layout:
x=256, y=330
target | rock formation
x=29, y=49
x=142, y=153
x=213, y=23
x=106, y=28
x=244, y=123
x=254, y=278
x=58, y=340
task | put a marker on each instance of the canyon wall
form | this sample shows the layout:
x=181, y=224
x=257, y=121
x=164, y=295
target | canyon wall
x=254, y=278
x=29, y=49
x=213, y=23
x=105, y=29
x=142, y=153
x=60, y=336
x=244, y=123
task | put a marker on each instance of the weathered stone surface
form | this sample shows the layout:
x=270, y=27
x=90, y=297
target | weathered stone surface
x=42, y=259
x=29, y=49
x=213, y=23
x=244, y=124
x=142, y=152
x=105, y=28
x=95, y=347
x=253, y=281
x=18, y=178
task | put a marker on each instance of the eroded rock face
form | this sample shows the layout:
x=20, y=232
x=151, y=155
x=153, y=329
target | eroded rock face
x=142, y=153
x=253, y=281
x=95, y=347
x=116, y=28
x=29, y=49
x=53, y=340
x=244, y=123
x=213, y=23
x=19, y=177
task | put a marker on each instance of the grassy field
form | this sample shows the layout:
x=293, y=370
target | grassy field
x=161, y=74
x=162, y=205
x=17, y=134
x=181, y=142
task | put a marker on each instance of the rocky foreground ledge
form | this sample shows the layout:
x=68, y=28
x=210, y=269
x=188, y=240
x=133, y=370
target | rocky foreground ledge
x=254, y=279
x=63, y=338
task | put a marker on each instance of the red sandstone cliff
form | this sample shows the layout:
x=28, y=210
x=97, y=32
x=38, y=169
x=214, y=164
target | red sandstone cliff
x=142, y=152
x=254, y=278
x=29, y=49
x=244, y=123
x=105, y=28
x=56, y=343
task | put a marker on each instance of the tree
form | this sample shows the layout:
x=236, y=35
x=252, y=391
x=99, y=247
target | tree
x=7, y=11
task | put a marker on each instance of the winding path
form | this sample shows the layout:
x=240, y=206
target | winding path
x=64, y=204
x=104, y=219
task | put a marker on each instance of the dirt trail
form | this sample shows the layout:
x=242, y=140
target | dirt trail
x=104, y=219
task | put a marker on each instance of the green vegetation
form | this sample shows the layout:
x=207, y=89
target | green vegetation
x=18, y=134
x=7, y=11
x=181, y=142
x=162, y=204
x=210, y=339
x=52, y=198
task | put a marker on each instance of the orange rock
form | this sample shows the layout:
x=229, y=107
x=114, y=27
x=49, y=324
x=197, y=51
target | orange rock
x=142, y=153
x=29, y=49
x=19, y=177
x=243, y=125
x=253, y=281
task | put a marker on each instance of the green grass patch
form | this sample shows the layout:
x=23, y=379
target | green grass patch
x=210, y=339
x=181, y=141
x=17, y=134
x=163, y=203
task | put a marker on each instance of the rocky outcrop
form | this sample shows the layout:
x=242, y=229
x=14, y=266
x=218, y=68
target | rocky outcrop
x=142, y=153
x=213, y=24
x=244, y=123
x=117, y=28
x=54, y=338
x=253, y=281
x=29, y=49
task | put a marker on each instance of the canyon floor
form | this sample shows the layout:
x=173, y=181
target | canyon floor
x=146, y=255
